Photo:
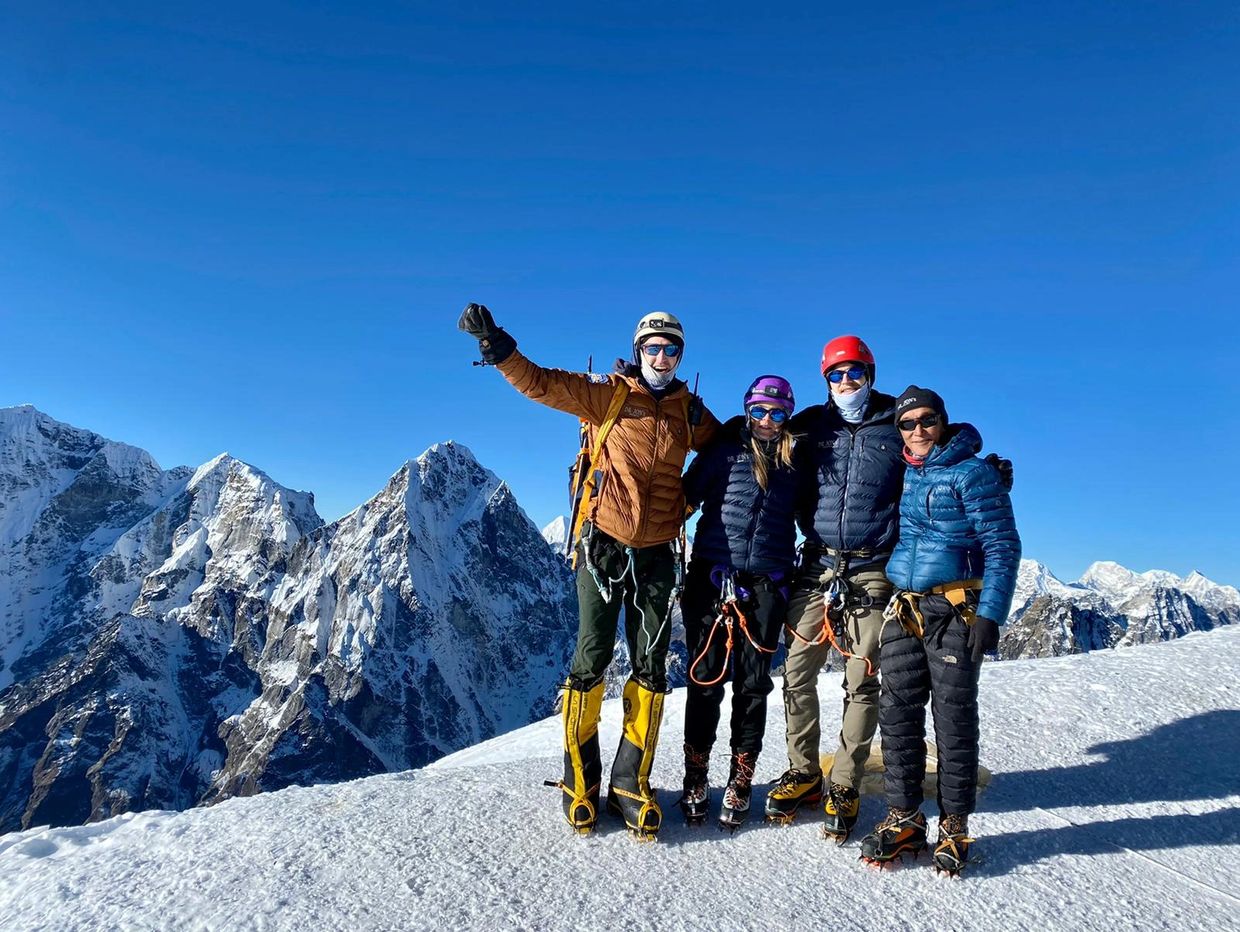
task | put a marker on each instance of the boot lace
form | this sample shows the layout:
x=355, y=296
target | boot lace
x=695, y=760
x=951, y=825
x=743, y=765
x=841, y=795
x=793, y=778
x=899, y=817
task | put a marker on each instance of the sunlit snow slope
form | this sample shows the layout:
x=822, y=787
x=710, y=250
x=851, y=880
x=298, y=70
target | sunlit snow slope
x=1115, y=804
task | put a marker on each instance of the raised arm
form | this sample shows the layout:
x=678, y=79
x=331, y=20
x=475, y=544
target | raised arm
x=586, y=396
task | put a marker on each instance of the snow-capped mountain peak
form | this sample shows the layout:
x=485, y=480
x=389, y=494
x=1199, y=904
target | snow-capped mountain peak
x=1035, y=579
x=556, y=534
x=41, y=459
x=180, y=637
x=1110, y=605
x=1161, y=578
x=1112, y=580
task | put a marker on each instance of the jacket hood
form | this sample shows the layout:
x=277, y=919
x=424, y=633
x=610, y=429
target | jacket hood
x=965, y=442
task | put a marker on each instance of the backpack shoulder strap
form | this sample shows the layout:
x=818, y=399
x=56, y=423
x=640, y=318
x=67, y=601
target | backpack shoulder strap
x=592, y=479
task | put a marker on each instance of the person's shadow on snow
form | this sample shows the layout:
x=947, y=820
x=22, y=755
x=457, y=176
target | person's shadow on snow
x=1190, y=759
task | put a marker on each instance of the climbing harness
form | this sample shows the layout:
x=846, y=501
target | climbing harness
x=905, y=606
x=838, y=597
x=731, y=616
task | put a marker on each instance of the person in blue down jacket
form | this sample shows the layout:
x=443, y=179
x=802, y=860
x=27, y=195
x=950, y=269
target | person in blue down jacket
x=954, y=572
x=735, y=598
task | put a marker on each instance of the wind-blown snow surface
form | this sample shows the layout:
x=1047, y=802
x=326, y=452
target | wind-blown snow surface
x=1106, y=811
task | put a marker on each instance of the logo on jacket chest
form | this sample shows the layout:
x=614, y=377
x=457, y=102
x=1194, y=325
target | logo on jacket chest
x=673, y=425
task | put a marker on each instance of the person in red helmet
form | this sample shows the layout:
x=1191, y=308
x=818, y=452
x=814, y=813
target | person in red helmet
x=850, y=459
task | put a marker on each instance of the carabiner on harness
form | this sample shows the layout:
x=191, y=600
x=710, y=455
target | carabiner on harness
x=731, y=616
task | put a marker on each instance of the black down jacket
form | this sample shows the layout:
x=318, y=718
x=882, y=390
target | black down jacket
x=741, y=526
x=851, y=477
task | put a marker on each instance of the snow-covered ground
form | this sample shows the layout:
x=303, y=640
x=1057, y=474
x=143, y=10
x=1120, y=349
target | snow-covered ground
x=1114, y=804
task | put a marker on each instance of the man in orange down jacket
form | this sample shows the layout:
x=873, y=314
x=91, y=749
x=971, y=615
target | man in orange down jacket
x=626, y=553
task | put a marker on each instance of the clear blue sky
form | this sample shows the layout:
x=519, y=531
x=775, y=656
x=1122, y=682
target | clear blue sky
x=251, y=227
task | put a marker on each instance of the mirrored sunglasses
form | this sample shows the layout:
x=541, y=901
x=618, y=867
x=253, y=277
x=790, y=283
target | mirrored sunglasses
x=670, y=350
x=854, y=374
x=777, y=415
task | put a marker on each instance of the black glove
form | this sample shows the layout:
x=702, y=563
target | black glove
x=477, y=321
x=983, y=637
x=494, y=342
x=994, y=459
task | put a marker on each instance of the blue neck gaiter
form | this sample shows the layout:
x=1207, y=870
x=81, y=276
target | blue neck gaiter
x=852, y=407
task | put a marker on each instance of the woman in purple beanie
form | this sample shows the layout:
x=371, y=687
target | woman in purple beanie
x=735, y=596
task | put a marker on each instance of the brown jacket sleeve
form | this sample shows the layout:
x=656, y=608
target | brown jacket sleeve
x=574, y=392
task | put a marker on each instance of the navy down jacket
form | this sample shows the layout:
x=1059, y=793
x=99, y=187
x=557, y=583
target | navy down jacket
x=956, y=523
x=741, y=525
x=851, y=475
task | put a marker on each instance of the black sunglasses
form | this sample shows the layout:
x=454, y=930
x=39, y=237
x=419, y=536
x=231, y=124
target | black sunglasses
x=926, y=420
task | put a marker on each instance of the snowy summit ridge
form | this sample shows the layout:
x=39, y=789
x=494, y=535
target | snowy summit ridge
x=1131, y=822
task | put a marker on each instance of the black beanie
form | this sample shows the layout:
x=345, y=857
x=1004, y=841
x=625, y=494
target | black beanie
x=916, y=397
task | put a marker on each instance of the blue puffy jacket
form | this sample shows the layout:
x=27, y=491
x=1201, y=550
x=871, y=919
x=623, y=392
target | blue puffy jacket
x=852, y=475
x=741, y=525
x=956, y=523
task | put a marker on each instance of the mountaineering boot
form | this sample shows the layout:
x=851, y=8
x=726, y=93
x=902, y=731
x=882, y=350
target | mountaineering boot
x=795, y=789
x=740, y=786
x=695, y=800
x=951, y=853
x=629, y=795
x=583, y=770
x=903, y=831
x=843, y=804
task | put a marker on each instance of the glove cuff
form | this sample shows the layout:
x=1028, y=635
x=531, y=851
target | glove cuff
x=496, y=346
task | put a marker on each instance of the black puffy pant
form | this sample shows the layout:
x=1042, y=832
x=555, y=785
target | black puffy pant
x=937, y=668
x=750, y=672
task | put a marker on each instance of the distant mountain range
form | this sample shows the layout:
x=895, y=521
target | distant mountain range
x=177, y=637
x=1110, y=606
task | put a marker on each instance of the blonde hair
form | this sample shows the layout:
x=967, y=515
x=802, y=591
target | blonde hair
x=782, y=456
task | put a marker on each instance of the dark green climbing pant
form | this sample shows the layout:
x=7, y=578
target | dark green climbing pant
x=610, y=576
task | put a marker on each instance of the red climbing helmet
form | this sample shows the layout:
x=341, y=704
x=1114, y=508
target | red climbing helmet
x=847, y=348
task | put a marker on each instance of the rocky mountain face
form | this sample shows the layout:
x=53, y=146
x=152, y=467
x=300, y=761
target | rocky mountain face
x=178, y=637
x=1110, y=606
x=66, y=496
